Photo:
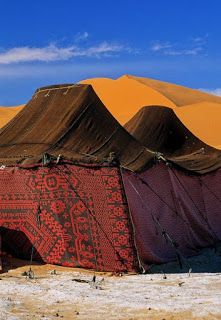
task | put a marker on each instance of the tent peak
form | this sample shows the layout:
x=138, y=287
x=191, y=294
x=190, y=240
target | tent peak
x=59, y=86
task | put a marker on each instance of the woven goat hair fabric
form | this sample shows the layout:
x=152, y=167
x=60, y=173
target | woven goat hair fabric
x=73, y=216
x=173, y=212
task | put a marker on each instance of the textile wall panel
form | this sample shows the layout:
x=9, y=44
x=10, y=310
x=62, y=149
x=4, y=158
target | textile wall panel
x=211, y=189
x=169, y=213
x=74, y=216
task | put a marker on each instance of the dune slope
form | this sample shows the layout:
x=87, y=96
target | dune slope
x=178, y=94
x=203, y=120
x=7, y=113
x=124, y=96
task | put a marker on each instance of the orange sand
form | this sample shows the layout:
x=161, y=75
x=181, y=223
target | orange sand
x=124, y=97
x=178, y=94
x=200, y=112
x=7, y=113
x=204, y=120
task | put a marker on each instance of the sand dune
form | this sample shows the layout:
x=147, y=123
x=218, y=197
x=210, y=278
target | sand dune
x=204, y=120
x=125, y=96
x=7, y=113
x=178, y=94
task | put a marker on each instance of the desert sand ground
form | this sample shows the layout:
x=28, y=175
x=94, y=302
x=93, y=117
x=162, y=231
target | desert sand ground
x=166, y=292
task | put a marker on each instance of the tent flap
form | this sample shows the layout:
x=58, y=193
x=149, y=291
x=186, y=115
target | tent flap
x=66, y=219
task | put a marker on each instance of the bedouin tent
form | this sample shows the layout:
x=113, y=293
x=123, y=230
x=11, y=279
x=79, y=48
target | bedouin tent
x=73, y=215
x=159, y=129
x=179, y=198
x=80, y=190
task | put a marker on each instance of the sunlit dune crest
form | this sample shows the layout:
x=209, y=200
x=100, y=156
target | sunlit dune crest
x=178, y=94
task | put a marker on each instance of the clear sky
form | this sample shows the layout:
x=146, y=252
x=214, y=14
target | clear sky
x=49, y=41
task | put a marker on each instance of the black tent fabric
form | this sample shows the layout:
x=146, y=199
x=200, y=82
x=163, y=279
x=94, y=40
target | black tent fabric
x=71, y=121
x=159, y=129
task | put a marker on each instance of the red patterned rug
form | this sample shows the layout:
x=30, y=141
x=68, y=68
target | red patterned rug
x=71, y=215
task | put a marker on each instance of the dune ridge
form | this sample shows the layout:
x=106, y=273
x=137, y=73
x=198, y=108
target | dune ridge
x=180, y=95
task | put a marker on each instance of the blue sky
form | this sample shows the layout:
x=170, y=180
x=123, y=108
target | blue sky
x=47, y=42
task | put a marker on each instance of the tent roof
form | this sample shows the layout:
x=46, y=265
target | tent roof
x=69, y=120
x=159, y=129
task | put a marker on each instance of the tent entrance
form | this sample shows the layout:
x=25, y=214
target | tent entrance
x=15, y=245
